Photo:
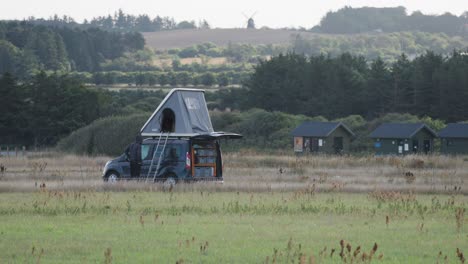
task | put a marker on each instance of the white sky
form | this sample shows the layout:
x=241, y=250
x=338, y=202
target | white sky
x=219, y=13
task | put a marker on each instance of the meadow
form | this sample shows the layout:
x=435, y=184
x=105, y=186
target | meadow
x=271, y=209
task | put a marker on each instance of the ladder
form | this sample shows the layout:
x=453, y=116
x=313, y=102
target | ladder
x=160, y=157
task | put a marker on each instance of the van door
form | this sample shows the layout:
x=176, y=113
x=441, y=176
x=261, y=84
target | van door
x=146, y=156
x=219, y=161
x=125, y=165
x=172, y=160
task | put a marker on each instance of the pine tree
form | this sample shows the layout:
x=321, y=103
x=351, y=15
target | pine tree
x=402, y=95
x=378, y=95
x=11, y=110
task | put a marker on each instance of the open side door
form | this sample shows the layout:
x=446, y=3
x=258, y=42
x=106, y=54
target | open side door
x=206, y=154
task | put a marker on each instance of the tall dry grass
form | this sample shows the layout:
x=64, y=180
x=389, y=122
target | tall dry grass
x=250, y=171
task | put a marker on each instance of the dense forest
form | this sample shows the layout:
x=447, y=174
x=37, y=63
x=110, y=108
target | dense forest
x=122, y=22
x=25, y=48
x=42, y=110
x=431, y=84
x=350, y=20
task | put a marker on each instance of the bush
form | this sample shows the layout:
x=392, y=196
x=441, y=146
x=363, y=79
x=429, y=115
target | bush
x=260, y=128
x=188, y=52
x=353, y=121
x=109, y=136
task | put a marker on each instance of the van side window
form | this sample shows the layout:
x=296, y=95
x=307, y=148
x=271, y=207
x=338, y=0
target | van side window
x=171, y=151
x=145, y=152
x=174, y=152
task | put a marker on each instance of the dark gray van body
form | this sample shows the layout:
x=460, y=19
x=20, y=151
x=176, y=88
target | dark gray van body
x=180, y=161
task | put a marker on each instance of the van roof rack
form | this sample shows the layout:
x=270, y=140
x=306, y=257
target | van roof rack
x=212, y=135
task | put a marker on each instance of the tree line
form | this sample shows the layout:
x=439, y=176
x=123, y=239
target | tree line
x=25, y=48
x=169, y=78
x=350, y=20
x=346, y=20
x=121, y=21
x=431, y=84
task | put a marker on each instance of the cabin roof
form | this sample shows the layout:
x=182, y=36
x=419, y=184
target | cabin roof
x=454, y=130
x=318, y=129
x=400, y=130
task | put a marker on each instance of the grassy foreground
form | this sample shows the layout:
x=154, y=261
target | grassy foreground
x=305, y=226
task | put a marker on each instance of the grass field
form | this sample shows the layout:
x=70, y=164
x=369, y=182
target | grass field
x=217, y=227
x=271, y=209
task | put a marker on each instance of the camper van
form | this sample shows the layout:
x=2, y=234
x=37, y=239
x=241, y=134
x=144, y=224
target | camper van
x=180, y=143
x=182, y=159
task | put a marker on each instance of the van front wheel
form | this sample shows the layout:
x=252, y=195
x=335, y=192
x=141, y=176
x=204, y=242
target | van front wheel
x=112, y=177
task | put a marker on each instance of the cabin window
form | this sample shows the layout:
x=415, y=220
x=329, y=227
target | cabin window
x=167, y=121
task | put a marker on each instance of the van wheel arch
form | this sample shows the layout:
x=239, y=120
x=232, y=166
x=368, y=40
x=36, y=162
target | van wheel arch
x=112, y=176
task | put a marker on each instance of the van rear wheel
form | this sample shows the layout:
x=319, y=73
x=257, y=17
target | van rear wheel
x=170, y=181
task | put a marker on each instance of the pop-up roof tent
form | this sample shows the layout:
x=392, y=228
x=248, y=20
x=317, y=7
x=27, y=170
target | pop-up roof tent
x=183, y=113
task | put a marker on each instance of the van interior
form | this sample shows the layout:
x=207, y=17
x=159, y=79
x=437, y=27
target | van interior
x=204, y=159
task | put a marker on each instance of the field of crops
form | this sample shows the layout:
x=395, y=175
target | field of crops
x=270, y=209
x=170, y=39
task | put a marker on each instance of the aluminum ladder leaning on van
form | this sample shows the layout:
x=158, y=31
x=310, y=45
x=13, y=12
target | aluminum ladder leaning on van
x=160, y=157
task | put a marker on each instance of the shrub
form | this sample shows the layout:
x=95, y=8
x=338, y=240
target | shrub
x=108, y=136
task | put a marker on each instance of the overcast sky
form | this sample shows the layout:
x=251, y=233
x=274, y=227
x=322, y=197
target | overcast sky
x=219, y=13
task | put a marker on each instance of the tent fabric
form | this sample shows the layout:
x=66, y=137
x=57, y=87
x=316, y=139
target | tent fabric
x=318, y=129
x=190, y=111
x=399, y=130
x=454, y=130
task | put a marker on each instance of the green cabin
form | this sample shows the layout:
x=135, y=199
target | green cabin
x=322, y=137
x=454, y=139
x=403, y=139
